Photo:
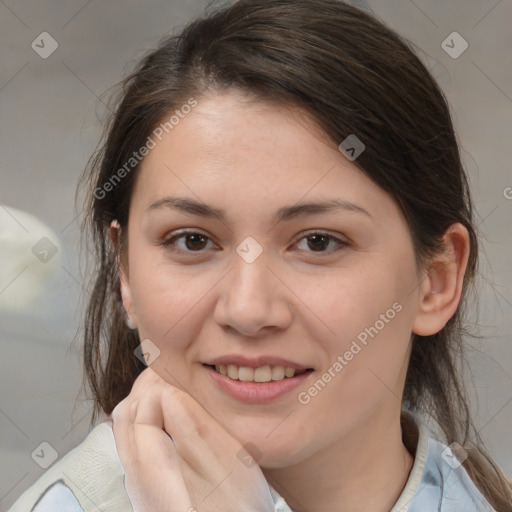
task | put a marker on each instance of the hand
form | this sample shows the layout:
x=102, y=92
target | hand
x=177, y=458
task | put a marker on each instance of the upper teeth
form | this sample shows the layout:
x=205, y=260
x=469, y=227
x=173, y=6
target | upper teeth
x=261, y=374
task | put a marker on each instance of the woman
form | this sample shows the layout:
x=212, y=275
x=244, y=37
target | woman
x=285, y=245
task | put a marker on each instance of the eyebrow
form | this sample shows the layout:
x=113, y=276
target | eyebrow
x=286, y=213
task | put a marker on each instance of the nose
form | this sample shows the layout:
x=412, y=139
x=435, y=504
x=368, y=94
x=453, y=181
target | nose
x=253, y=299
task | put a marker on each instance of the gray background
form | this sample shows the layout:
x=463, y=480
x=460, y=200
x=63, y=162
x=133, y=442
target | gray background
x=49, y=127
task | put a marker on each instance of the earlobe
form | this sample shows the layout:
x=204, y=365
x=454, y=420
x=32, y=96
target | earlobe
x=441, y=288
x=115, y=229
x=131, y=320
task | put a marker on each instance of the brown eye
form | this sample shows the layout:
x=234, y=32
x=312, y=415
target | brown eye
x=192, y=242
x=195, y=241
x=320, y=242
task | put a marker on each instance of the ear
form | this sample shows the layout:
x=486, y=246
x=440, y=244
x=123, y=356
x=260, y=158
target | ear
x=441, y=288
x=126, y=294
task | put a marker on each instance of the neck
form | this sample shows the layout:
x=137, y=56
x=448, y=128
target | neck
x=365, y=471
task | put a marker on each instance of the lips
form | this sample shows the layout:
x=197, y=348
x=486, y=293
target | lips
x=256, y=380
x=255, y=392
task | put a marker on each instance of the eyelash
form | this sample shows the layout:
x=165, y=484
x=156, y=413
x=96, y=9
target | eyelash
x=169, y=243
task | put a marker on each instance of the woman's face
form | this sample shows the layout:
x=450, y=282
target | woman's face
x=254, y=287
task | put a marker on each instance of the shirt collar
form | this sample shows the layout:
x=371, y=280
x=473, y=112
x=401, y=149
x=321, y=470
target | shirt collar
x=434, y=484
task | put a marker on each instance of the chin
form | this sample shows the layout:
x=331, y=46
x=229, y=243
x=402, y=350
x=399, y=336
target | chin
x=280, y=458
x=273, y=453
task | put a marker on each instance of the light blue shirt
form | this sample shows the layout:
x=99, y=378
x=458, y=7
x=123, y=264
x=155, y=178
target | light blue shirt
x=437, y=482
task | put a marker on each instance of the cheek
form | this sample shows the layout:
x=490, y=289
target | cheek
x=345, y=302
x=165, y=298
x=369, y=325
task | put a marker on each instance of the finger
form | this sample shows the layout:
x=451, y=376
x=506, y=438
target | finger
x=153, y=479
x=199, y=447
x=121, y=419
x=196, y=452
x=198, y=438
x=147, y=380
x=156, y=478
x=149, y=410
x=148, y=389
x=156, y=397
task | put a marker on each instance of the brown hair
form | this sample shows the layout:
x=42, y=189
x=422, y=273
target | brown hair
x=353, y=75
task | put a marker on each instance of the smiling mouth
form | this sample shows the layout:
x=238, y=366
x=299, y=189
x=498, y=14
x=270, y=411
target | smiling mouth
x=259, y=375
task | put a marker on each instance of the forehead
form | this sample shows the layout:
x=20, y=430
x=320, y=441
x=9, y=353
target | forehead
x=232, y=149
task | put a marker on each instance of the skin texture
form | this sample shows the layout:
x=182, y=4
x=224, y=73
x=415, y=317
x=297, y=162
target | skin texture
x=343, y=449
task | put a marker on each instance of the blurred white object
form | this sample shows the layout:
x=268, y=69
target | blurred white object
x=30, y=253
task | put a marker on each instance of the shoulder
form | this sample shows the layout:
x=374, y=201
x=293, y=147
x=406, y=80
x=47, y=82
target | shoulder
x=438, y=480
x=444, y=469
x=91, y=475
